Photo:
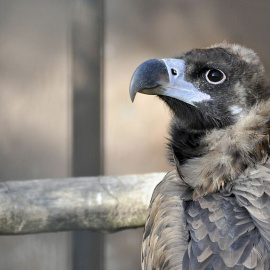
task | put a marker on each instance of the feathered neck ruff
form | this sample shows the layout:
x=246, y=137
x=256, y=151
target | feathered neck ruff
x=228, y=152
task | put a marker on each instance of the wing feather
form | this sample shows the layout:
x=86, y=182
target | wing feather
x=228, y=230
x=166, y=235
x=252, y=192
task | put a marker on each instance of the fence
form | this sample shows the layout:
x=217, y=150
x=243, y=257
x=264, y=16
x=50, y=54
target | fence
x=105, y=203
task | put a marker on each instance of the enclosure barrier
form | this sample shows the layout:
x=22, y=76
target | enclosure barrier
x=105, y=203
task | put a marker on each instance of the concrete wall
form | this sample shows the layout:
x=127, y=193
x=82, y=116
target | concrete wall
x=34, y=111
x=35, y=98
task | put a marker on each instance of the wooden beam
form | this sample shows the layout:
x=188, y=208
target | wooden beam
x=104, y=204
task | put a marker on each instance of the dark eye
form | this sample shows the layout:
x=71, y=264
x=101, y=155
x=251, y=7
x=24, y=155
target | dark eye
x=215, y=76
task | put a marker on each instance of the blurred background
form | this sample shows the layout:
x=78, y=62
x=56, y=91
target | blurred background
x=65, y=67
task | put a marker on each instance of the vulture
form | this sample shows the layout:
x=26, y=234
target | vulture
x=212, y=211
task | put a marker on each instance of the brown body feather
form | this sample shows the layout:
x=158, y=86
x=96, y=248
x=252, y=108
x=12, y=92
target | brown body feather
x=235, y=160
x=166, y=231
x=230, y=151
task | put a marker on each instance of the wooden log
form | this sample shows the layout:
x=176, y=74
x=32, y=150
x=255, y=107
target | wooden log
x=105, y=204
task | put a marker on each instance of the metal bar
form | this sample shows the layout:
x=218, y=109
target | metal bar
x=87, y=41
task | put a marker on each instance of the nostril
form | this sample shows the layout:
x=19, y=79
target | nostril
x=174, y=72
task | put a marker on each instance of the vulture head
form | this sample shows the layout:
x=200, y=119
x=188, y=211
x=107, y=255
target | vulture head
x=207, y=90
x=204, y=88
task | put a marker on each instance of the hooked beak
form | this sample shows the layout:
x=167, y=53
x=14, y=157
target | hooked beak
x=165, y=77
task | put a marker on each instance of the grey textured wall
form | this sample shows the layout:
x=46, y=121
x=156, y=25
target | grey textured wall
x=34, y=111
x=35, y=98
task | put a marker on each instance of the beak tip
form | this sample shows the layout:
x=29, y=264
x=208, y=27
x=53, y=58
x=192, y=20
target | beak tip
x=132, y=97
x=147, y=77
x=132, y=92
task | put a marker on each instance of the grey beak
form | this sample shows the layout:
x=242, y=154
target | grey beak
x=147, y=77
x=165, y=77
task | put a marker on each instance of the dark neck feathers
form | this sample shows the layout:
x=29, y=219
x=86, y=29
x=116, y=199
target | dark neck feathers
x=184, y=143
x=208, y=160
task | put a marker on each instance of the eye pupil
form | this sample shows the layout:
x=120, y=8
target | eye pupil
x=174, y=72
x=215, y=76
